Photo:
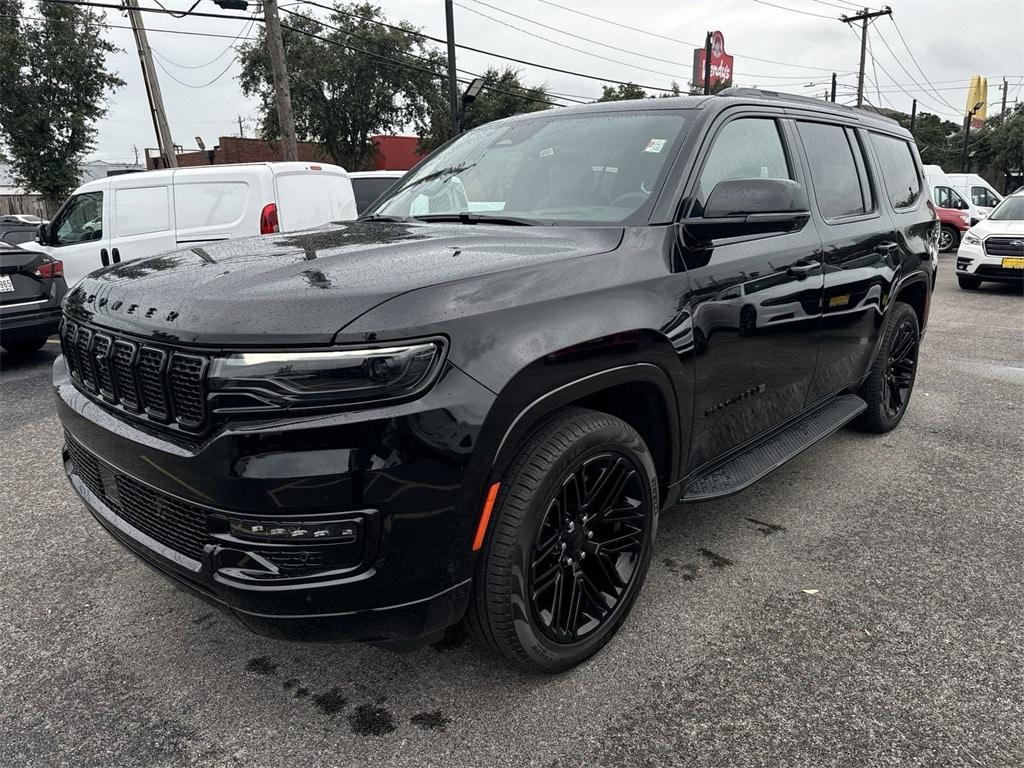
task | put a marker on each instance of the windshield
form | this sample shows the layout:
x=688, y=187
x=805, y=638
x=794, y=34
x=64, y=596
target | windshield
x=601, y=167
x=1011, y=209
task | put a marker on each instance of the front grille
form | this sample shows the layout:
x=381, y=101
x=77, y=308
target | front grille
x=1005, y=246
x=164, y=386
x=174, y=523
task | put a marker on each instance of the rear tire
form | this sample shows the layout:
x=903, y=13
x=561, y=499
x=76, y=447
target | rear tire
x=890, y=383
x=569, y=542
x=968, y=283
x=24, y=346
x=949, y=238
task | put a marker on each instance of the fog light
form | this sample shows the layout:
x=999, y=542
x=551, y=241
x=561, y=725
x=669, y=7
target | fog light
x=291, y=532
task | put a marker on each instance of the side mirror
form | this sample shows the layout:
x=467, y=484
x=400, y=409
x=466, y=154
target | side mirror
x=738, y=207
x=43, y=234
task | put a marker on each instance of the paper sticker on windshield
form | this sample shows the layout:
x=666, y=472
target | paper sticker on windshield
x=547, y=152
x=655, y=145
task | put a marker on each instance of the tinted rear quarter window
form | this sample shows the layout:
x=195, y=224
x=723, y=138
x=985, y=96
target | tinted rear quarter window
x=899, y=169
x=834, y=171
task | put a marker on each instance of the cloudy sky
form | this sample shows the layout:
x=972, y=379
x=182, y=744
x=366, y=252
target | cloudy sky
x=789, y=45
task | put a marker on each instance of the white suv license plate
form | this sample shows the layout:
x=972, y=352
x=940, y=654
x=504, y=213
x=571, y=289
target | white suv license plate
x=6, y=286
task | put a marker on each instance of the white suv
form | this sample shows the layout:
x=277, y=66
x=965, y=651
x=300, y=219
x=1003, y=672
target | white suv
x=993, y=249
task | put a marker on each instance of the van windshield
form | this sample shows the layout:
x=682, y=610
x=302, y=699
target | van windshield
x=593, y=168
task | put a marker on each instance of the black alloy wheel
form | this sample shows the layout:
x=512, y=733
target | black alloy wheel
x=900, y=368
x=568, y=544
x=588, y=546
x=890, y=382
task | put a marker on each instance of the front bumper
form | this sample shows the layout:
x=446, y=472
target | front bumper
x=402, y=480
x=972, y=261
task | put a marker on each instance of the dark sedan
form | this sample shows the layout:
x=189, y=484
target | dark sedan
x=31, y=289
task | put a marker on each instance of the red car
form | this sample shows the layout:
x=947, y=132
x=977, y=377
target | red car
x=953, y=224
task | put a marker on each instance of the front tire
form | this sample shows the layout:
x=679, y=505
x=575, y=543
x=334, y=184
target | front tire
x=949, y=238
x=968, y=283
x=569, y=542
x=890, y=383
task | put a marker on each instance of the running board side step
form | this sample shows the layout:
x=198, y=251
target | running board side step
x=771, y=453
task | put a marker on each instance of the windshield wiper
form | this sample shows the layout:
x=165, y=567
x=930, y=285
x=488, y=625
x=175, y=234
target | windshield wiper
x=382, y=217
x=465, y=217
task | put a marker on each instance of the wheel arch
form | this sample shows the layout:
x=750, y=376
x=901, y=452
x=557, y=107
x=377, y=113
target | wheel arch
x=915, y=292
x=639, y=393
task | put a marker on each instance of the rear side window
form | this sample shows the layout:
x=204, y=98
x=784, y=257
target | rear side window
x=141, y=211
x=838, y=184
x=209, y=204
x=746, y=148
x=899, y=169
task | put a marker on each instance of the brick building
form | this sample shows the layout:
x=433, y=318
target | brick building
x=394, y=153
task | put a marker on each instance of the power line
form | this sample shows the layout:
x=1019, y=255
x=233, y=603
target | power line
x=245, y=30
x=598, y=42
x=795, y=10
x=676, y=39
x=565, y=45
x=203, y=85
x=476, y=50
x=916, y=64
x=178, y=14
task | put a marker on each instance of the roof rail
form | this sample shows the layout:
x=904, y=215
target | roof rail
x=759, y=93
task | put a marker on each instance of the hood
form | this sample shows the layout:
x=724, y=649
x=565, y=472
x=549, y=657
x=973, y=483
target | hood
x=303, y=287
x=987, y=227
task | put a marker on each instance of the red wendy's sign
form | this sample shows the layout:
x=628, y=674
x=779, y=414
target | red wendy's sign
x=721, y=62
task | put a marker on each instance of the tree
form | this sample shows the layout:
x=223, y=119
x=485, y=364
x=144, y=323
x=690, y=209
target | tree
x=504, y=95
x=937, y=139
x=342, y=96
x=622, y=92
x=54, y=85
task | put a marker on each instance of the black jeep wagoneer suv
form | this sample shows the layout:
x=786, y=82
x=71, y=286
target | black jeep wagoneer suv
x=472, y=403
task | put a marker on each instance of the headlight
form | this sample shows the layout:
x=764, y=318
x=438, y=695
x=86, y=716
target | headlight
x=972, y=239
x=289, y=381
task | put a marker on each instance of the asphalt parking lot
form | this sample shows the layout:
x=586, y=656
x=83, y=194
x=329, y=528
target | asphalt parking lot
x=908, y=653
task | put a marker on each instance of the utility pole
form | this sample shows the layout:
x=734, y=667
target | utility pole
x=241, y=130
x=1002, y=112
x=833, y=87
x=282, y=93
x=156, y=99
x=913, y=116
x=707, y=64
x=863, y=17
x=453, y=80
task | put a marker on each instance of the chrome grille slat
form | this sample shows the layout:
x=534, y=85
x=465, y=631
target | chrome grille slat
x=160, y=384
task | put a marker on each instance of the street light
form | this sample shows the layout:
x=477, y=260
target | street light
x=967, y=132
x=469, y=96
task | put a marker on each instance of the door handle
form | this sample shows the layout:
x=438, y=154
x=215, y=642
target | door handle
x=887, y=248
x=117, y=255
x=802, y=270
x=104, y=257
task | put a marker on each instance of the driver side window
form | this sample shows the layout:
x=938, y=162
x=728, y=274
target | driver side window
x=80, y=221
x=746, y=148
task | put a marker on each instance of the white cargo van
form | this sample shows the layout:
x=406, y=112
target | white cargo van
x=978, y=191
x=945, y=194
x=133, y=215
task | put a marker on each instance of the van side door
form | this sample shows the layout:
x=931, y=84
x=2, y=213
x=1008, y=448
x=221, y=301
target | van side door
x=142, y=213
x=755, y=299
x=860, y=252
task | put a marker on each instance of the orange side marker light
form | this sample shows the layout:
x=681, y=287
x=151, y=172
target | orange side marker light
x=485, y=516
